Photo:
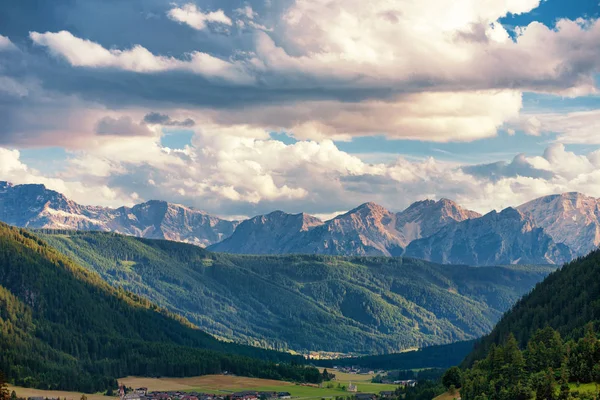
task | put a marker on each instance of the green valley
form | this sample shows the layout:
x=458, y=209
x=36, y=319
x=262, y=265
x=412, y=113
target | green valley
x=306, y=302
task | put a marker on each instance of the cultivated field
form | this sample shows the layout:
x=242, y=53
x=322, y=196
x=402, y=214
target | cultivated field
x=363, y=381
x=26, y=392
x=210, y=383
x=229, y=384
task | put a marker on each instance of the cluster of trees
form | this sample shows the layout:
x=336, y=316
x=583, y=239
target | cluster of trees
x=543, y=370
x=427, y=374
x=327, y=376
x=62, y=327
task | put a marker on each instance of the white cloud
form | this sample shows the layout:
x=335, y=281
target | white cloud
x=432, y=116
x=249, y=173
x=434, y=70
x=12, y=169
x=577, y=127
x=85, y=53
x=190, y=14
x=6, y=44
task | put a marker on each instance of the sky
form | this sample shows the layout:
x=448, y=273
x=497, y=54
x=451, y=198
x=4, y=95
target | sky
x=242, y=107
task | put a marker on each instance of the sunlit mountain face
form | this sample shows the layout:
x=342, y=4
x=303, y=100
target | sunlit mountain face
x=240, y=108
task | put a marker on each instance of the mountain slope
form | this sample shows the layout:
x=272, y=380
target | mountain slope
x=62, y=327
x=274, y=233
x=567, y=300
x=369, y=230
x=365, y=305
x=508, y=237
x=34, y=206
x=569, y=218
x=424, y=218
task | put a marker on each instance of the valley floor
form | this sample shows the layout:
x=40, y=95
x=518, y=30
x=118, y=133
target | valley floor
x=220, y=384
x=229, y=384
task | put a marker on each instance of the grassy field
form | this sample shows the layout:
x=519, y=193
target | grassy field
x=26, y=392
x=583, y=388
x=363, y=381
x=229, y=384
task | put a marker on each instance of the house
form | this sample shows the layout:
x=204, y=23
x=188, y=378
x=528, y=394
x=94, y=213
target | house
x=141, y=391
x=352, y=388
x=244, y=396
x=267, y=395
x=406, y=383
x=284, y=395
x=134, y=396
x=387, y=394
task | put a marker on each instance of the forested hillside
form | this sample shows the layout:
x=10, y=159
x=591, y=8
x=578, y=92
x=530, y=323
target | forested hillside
x=61, y=326
x=567, y=300
x=546, y=344
x=310, y=302
x=441, y=356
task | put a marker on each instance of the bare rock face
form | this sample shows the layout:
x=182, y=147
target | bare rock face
x=508, y=237
x=368, y=230
x=34, y=206
x=569, y=218
x=274, y=233
x=424, y=218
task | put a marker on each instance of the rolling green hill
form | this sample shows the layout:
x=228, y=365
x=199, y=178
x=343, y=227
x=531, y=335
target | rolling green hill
x=325, y=303
x=63, y=327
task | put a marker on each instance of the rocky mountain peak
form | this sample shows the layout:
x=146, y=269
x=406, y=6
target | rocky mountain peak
x=424, y=218
x=569, y=218
x=35, y=206
x=366, y=209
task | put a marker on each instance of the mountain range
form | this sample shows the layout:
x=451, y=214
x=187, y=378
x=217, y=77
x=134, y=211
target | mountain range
x=549, y=230
x=34, y=206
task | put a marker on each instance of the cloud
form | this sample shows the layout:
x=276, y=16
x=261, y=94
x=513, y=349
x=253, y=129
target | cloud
x=239, y=170
x=14, y=170
x=415, y=71
x=85, y=53
x=6, y=44
x=121, y=126
x=190, y=14
x=164, y=119
x=432, y=116
x=520, y=166
x=576, y=127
